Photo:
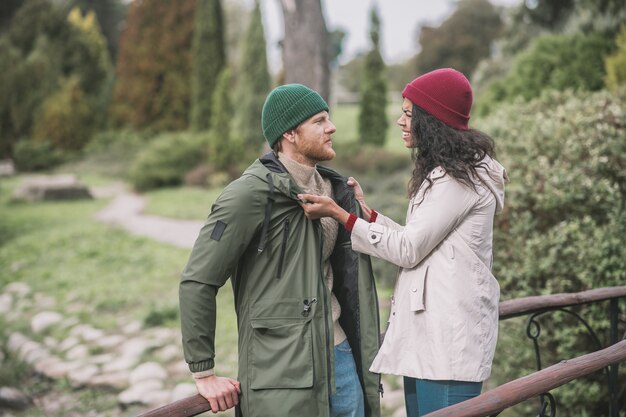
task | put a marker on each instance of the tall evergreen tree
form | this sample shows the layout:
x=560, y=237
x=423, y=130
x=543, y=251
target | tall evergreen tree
x=154, y=66
x=373, y=112
x=224, y=148
x=110, y=15
x=208, y=60
x=254, y=83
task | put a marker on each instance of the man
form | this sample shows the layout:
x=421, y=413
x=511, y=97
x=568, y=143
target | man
x=306, y=303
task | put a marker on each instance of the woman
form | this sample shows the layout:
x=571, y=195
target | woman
x=443, y=322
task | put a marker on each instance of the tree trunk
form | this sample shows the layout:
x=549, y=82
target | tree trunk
x=305, y=46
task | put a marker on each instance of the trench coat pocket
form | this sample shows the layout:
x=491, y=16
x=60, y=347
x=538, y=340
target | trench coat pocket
x=375, y=233
x=281, y=354
x=416, y=290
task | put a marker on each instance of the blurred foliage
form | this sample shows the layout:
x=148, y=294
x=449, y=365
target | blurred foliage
x=462, y=40
x=253, y=84
x=110, y=16
x=225, y=149
x=547, y=13
x=67, y=118
x=167, y=158
x=574, y=19
x=110, y=154
x=562, y=229
x=208, y=57
x=161, y=315
x=358, y=159
x=350, y=74
x=30, y=156
x=39, y=52
x=372, y=118
x=96, y=42
x=7, y=10
x=154, y=66
x=616, y=63
x=557, y=62
x=336, y=36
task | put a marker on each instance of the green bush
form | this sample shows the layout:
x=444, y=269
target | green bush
x=161, y=315
x=29, y=155
x=552, y=62
x=166, y=160
x=563, y=225
x=616, y=63
x=67, y=118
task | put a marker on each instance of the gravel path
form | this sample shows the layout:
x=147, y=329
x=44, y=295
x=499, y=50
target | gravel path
x=126, y=211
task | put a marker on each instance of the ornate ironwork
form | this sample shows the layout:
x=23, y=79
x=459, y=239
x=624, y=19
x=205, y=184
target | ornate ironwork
x=533, y=331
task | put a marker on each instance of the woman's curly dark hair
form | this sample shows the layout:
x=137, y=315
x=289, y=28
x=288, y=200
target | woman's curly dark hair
x=459, y=152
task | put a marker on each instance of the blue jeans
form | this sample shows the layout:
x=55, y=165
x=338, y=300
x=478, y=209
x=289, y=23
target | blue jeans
x=423, y=396
x=348, y=398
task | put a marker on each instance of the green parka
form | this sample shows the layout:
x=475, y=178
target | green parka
x=257, y=234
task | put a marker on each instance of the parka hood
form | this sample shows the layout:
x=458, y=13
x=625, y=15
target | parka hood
x=494, y=177
x=269, y=164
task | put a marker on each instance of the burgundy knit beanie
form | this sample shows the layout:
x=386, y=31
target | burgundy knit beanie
x=444, y=93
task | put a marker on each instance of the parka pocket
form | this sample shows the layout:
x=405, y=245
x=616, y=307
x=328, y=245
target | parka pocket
x=417, y=290
x=281, y=350
x=281, y=354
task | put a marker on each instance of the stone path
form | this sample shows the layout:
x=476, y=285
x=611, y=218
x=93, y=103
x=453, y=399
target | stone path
x=141, y=364
x=126, y=211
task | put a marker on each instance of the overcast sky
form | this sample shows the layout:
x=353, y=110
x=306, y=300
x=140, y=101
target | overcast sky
x=399, y=22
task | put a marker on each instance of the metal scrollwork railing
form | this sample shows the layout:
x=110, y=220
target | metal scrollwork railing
x=533, y=331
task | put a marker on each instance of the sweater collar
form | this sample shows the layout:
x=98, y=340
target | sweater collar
x=303, y=175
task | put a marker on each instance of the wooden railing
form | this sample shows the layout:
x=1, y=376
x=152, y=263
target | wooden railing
x=529, y=386
x=500, y=398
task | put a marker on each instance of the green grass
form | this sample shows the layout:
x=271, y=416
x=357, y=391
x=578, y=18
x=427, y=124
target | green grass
x=186, y=203
x=59, y=249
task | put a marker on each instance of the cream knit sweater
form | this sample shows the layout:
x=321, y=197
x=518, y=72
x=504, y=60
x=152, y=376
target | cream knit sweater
x=312, y=182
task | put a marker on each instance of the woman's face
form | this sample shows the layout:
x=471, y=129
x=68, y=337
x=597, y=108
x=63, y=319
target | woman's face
x=405, y=122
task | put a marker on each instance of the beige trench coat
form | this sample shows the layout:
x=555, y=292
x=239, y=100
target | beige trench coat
x=443, y=323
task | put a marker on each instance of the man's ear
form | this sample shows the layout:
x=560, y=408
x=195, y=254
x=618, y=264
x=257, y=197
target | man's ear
x=290, y=135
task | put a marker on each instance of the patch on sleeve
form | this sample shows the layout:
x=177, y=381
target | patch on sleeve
x=218, y=230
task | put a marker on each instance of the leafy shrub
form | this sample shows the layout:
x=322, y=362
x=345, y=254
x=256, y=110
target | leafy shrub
x=166, y=160
x=616, y=63
x=563, y=225
x=199, y=176
x=30, y=155
x=552, y=62
x=161, y=315
x=67, y=117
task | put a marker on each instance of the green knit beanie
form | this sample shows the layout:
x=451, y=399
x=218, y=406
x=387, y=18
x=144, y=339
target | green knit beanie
x=286, y=107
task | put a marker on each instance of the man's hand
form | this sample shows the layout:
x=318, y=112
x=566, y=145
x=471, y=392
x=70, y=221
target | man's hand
x=222, y=393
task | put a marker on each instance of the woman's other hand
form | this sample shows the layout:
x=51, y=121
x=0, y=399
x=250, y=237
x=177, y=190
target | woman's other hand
x=360, y=197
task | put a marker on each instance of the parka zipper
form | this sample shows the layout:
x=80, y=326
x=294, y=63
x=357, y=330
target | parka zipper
x=283, y=250
x=324, y=291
